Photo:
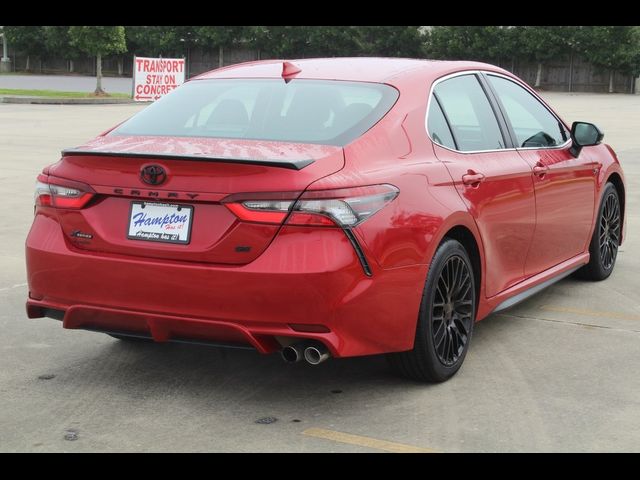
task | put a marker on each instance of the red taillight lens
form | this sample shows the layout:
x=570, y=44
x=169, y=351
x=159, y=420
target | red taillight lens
x=73, y=195
x=345, y=207
x=261, y=211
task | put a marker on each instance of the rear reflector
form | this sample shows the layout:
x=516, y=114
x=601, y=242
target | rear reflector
x=346, y=207
x=309, y=328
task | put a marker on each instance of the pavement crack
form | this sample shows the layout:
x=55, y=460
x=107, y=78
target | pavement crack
x=566, y=322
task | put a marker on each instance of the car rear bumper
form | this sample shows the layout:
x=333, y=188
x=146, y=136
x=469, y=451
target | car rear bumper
x=303, y=281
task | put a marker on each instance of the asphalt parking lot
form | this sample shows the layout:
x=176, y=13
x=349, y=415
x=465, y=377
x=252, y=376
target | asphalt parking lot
x=556, y=373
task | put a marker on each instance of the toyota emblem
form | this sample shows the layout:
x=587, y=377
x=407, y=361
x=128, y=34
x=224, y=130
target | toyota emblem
x=153, y=174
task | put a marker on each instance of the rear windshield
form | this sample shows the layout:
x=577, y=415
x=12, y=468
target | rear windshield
x=304, y=111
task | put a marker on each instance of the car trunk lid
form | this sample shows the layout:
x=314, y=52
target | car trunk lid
x=200, y=172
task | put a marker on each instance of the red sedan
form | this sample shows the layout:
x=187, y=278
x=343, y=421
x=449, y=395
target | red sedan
x=325, y=207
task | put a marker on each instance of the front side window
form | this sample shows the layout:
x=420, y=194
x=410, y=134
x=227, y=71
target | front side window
x=302, y=111
x=533, y=124
x=472, y=120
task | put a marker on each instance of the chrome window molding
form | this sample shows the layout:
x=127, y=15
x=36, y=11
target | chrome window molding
x=489, y=72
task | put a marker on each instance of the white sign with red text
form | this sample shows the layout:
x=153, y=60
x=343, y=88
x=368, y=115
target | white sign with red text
x=155, y=77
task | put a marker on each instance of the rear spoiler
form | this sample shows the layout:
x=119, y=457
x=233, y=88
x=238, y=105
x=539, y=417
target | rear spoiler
x=294, y=164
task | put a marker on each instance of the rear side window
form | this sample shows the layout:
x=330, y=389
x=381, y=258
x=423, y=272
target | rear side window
x=532, y=123
x=304, y=111
x=470, y=115
x=438, y=127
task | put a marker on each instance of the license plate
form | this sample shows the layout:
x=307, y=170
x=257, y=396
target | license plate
x=160, y=222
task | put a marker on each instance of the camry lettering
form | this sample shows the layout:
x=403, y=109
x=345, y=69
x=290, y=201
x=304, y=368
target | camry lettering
x=154, y=194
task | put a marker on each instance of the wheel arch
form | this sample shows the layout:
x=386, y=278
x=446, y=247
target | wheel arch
x=463, y=229
x=466, y=238
x=615, y=179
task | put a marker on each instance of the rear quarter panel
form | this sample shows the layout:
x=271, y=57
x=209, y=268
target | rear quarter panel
x=397, y=151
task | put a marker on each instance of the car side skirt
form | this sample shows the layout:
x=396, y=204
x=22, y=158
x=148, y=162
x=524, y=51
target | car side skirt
x=531, y=286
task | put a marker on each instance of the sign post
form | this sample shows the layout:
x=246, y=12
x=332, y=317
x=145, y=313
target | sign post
x=155, y=77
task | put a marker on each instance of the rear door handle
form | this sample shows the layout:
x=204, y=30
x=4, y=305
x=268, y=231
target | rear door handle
x=540, y=170
x=472, y=178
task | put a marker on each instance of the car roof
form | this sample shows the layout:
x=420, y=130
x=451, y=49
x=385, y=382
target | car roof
x=363, y=69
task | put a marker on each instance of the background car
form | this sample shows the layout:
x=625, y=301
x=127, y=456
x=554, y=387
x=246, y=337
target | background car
x=325, y=207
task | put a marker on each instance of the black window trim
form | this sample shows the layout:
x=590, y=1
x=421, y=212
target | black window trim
x=500, y=111
x=446, y=120
x=505, y=127
x=512, y=132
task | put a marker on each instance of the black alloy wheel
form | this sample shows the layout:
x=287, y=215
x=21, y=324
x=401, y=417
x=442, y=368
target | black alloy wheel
x=603, y=249
x=452, y=313
x=609, y=233
x=445, y=320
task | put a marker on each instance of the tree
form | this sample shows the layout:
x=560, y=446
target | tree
x=392, y=41
x=58, y=44
x=310, y=41
x=483, y=43
x=332, y=41
x=282, y=41
x=224, y=37
x=631, y=65
x=158, y=40
x=543, y=44
x=98, y=41
x=613, y=48
x=27, y=39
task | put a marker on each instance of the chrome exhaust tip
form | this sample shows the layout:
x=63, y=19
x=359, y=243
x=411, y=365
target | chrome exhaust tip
x=316, y=354
x=292, y=353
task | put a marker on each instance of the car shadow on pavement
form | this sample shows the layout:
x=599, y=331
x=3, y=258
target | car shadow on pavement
x=212, y=377
x=141, y=369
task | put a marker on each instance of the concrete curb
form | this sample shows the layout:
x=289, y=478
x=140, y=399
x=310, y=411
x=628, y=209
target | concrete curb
x=63, y=101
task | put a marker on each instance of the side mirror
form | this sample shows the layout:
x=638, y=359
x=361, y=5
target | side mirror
x=584, y=134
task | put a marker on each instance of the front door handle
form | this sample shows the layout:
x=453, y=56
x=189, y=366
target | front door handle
x=540, y=170
x=472, y=178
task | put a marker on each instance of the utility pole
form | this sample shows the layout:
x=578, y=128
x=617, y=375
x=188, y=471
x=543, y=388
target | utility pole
x=5, y=62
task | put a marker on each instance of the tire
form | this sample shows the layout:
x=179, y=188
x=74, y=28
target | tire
x=603, y=249
x=440, y=346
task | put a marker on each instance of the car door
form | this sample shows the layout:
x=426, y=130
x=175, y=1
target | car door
x=494, y=182
x=564, y=185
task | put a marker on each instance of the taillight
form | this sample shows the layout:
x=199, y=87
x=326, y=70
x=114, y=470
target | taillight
x=60, y=193
x=346, y=207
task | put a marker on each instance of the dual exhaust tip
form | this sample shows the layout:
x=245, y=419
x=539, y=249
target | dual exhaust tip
x=313, y=353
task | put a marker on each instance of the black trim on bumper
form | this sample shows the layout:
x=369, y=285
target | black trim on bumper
x=361, y=256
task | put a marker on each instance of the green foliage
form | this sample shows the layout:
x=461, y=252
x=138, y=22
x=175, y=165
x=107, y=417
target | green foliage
x=331, y=41
x=608, y=47
x=545, y=43
x=392, y=41
x=283, y=42
x=470, y=43
x=58, y=42
x=160, y=40
x=225, y=36
x=27, y=39
x=613, y=47
x=314, y=41
x=632, y=53
x=98, y=40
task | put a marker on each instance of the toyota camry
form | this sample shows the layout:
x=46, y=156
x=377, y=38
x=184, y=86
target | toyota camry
x=325, y=208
